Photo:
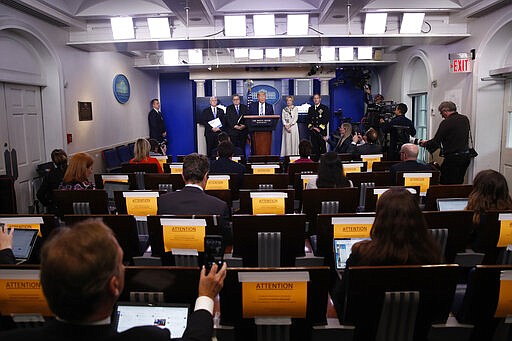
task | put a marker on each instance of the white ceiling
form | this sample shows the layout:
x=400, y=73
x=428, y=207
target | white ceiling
x=199, y=24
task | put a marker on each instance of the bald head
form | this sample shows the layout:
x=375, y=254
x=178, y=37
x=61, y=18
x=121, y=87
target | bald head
x=409, y=152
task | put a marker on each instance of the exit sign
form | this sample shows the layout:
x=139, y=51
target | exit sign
x=460, y=62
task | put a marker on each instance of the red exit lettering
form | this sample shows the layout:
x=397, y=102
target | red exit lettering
x=460, y=65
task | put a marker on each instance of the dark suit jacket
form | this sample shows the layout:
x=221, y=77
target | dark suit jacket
x=207, y=115
x=232, y=119
x=191, y=200
x=319, y=118
x=237, y=151
x=364, y=149
x=7, y=257
x=342, y=148
x=50, y=182
x=156, y=125
x=254, y=108
x=408, y=166
x=199, y=327
x=226, y=166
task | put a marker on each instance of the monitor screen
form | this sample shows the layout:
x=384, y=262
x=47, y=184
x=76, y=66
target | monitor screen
x=343, y=249
x=452, y=204
x=22, y=242
x=169, y=316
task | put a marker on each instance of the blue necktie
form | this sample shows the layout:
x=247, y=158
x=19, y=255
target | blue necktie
x=214, y=112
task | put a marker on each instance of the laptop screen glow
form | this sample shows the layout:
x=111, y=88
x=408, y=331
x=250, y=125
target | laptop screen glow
x=452, y=204
x=343, y=249
x=173, y=318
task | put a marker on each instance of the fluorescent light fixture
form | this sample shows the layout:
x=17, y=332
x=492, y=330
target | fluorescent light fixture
x=297, y=24
x=241, y=53
x=122, y=28
x=264, y=25
x=288, y=52
x=328, y=54
x=159, y=28
x=255, y=54
x=235, y=26
x=195, y=56
x=272, y=53
x=412, y=23
x=364, y=52
x=375, y=23
x=171, y=57
x=346, y=53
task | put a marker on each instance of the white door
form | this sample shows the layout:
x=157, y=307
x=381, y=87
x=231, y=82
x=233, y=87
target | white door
x=4, y=137
x=506, y=144
x=25, y=132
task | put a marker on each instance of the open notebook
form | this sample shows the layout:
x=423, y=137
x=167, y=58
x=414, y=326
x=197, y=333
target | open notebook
x=169, y=316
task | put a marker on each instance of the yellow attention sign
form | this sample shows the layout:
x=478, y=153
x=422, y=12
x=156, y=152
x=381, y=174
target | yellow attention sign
x=268, y=206
x=141, y=203
x=352, y=168
x=176, y=170
x=217, y=183
x=352, y=230
x=504, y=307
x=370, y=159
x=274, y=299
x=305, y=182
x=22, y=296
x=115, y=178
x=262, y=170
x=422, y=181
x=26, y=226
x=161, y=160
x=184, y=237
x=505, y=230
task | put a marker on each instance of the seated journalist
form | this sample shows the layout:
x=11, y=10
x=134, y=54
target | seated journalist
x=82, y=276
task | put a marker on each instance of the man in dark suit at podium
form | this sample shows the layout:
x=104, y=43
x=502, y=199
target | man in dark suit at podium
x=261, y=107
x=212, y=127
x=318, y=117
x=235, y=122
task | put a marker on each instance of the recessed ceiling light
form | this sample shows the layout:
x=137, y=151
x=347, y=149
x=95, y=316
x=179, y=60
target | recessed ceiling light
x=264, y=25
x=159, y=28
x=122, y=28
x=234, y=26
x=375, y=23
x=338, y=16
x=195, y=19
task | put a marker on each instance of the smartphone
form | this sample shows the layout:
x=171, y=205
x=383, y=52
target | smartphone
x=213, y=251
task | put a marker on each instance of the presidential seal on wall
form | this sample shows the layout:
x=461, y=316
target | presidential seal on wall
x=121, y=88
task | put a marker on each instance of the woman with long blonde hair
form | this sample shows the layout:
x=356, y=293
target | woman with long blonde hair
x=141, y=154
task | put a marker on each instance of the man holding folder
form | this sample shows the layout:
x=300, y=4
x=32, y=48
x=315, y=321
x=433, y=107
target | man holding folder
x=213, y=120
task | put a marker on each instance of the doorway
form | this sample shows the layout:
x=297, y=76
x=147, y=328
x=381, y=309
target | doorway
x=21, y=119
x=506, y=141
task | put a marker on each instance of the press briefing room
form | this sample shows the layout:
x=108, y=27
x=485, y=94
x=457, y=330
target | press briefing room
x=240, y=170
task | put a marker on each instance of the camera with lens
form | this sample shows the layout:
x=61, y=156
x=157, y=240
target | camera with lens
x=415, y=140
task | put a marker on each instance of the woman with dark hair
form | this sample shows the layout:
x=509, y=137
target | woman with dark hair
x=141, y=154
x=305, y=148
x=398, y=235
x=490, y=193
x=330, y=173
x=78, y=172
x=53, y=179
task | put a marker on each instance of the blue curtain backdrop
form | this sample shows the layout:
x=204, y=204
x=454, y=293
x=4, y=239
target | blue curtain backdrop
x=346, y=97
x=177, y=92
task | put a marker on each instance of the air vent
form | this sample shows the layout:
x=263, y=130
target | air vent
x=30, y=11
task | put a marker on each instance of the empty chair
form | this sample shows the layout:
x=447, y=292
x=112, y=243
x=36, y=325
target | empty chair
x=112, y=160
x=96, y=199
x=124, y=153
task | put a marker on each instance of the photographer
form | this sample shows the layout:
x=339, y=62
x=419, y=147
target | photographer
x=371, y=120
x=452, y=137
x=400, y=129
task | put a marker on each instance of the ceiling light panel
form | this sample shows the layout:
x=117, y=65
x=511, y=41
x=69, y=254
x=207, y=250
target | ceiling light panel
x=346, y=53
x=195, y=56
x=159, y=28
x=272, y=53
x=328, y=54
x=171, y=57
x=241, y=53
x=256, y=54
x=288, y=52
x=364, y=52
x=297, y=24
x=235, y=26
x=122, y=28
x=375, y=23
x=264, y=25
x=412, y=23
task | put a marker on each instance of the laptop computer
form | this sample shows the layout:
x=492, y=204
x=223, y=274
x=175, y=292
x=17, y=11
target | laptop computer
x=163, y=315
x=452, y=204
x=23, y=241
x=343, y=249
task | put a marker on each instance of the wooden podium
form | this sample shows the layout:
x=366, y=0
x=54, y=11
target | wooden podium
x=261, y=128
